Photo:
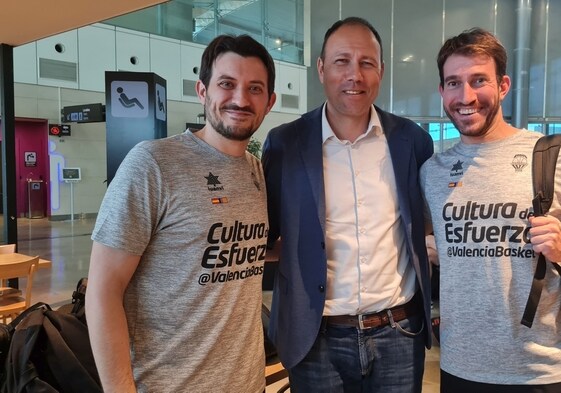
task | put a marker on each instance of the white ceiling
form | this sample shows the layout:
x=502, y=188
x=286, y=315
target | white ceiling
x=24, y=21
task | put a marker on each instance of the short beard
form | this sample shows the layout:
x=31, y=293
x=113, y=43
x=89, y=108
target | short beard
x=232, y=133
x=228, y=132
x=484, y=128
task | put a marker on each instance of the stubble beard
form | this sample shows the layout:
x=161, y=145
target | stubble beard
x=229, y=132
x=481, y=130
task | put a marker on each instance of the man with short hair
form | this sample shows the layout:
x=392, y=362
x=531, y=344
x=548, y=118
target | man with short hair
x=174, y=291
x=351, y=301
x=479, y=193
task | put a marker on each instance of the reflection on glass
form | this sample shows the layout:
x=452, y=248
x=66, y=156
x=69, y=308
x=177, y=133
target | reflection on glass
x=451, y=136
x=444, y=135
x=554, y=128
x=538, y=127
x=277, y=24
x=545, y=128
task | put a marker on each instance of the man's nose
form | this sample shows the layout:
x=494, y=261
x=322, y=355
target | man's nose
x=241, y=97
x=354, y=72
x=468, y=94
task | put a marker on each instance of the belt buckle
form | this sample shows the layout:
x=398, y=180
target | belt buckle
x=390, y=318
x=361, y=322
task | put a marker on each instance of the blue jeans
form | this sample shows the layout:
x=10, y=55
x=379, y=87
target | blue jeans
x=379, y=360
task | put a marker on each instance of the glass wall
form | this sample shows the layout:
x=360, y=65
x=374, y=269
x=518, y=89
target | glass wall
x=445, y=135
x=412, y=33
x=546, y=128
x=277, y=24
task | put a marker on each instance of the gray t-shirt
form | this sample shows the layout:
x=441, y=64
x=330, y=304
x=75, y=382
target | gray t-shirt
x=479, y=197
x=198, y=217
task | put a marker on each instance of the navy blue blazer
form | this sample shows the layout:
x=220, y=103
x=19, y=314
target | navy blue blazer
x=292, y=161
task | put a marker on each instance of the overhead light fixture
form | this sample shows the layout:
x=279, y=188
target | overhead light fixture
x=408, y=59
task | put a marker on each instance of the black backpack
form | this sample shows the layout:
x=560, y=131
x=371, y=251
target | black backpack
x=49, y=351
x=544, y=161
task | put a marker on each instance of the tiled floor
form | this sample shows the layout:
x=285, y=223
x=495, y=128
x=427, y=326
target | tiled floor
x=68, y=245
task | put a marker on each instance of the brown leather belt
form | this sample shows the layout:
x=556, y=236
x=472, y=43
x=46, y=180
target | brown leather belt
x=375, y=320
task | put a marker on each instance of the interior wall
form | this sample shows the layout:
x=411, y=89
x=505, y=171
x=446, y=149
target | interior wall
x=86, y=147
x=69, y=69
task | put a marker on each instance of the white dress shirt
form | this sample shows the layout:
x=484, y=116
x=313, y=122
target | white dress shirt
x=368, y=267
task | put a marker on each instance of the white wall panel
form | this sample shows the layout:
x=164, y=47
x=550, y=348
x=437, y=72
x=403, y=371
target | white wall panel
x=303, y=75
x=288, y=80
x=96, y=55
x=25, y=57
x=165, y=61
x=133, y=51
x=57, y=57
x=288, y=88
x=190, y=62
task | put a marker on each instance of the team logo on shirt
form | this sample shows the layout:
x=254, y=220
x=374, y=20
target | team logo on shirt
x=235, y=252
x=213, y=182
x=474, y=230
x=457, y=169
x=519, y=162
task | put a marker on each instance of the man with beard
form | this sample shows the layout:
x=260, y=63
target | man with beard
x=479, y=194
x=174, y=291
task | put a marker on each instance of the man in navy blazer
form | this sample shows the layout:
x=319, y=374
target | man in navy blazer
x=351, y=301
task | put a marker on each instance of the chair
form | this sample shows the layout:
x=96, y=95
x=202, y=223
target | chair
x=274, y=371
x=7, y=248
x=12, y=301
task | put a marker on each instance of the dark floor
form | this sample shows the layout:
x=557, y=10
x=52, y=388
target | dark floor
x=67, y=244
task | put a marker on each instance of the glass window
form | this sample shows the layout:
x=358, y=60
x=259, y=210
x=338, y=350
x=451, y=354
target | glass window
x=283, y=30
x=444, y=135
x=451, y=136
x=435, y=131
x=538, y=127
x=277, y=24
x=415, y=78
x=554, y=128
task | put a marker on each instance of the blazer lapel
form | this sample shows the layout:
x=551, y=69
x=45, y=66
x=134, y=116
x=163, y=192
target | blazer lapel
x=400, y=152
x=310, y=144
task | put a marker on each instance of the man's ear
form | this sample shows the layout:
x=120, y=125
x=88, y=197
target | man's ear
x=504, y=87
x=320, y=69
x=201, y=91
x=272, y=101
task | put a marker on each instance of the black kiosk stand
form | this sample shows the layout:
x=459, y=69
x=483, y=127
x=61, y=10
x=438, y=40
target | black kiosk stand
x=136, y=110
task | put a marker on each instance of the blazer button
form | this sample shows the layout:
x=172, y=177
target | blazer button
x=323, y=245
x=321, y=288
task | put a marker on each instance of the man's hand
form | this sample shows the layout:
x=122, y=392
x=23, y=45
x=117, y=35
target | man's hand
x=545, y=236
x=431, y=250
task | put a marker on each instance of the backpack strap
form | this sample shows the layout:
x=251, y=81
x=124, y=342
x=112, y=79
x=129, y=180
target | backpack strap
x=544, y=162
x=13, y=324
x=79, y=298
